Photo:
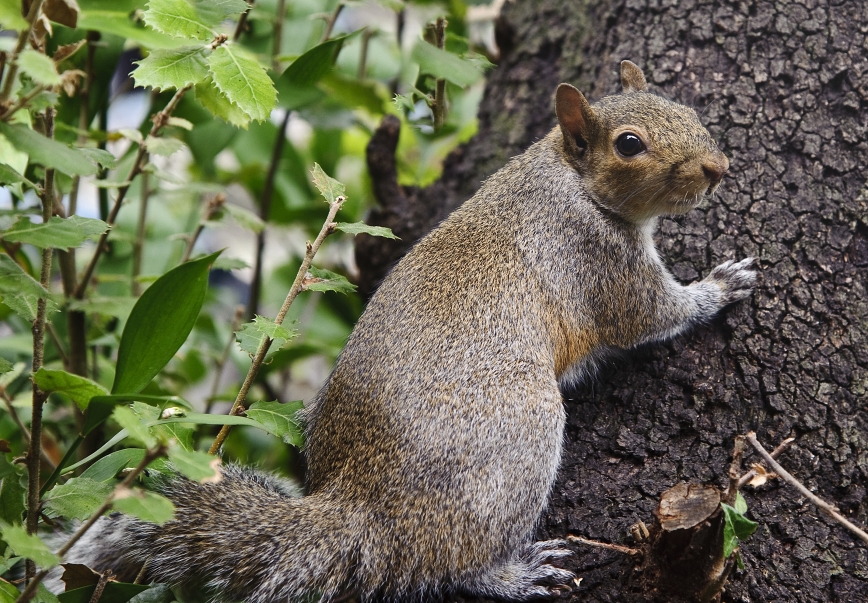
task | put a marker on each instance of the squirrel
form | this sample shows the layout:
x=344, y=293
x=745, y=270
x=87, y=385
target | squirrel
x=434, y=443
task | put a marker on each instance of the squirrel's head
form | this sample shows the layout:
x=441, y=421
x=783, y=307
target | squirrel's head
x=641, y=155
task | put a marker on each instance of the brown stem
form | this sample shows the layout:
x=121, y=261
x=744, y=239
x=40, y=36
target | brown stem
x=731, y=492
x=330, y=24
x=363, y=55
x=100, y=585
x=439, y=105
x=22, y=102
x=25, y=432
x=150, y=456
x=141, y=229
x=159, y=120
x=297, y=285
x=213, y=206
x=775, y=454
x=264, y=212
x=603, y=545
x=277, y=35
x=242, y=22
x=787, y=477
x=32, y=14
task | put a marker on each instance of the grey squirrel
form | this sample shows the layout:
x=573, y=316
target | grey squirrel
x=434, y=444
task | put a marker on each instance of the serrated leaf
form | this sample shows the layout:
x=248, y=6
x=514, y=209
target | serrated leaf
x=48, y=152
x=127, y=419
x=20, y=291
x=243, y=80
x=165, y=147
x=194, y=465
x=78, y=498
x=39, y=67
x=245, y=218
x=29, y=546
x=100, y=156
x=59, y=233
x=80, y=389
x=110, y=465
x=177, y=18
x=216, y=102
x=279, y=419
x=445, y=65
x=252, y=334
x=319, y=279
x=330, y=188
x=159, y=324
x=147, y=506
x=174, y=68
x=355, y=228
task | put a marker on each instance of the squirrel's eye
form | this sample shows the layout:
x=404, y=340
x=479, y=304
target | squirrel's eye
x=628, y=144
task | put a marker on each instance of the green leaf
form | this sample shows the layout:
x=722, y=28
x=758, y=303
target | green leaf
x=147, y=506
x=78, y=498
x=197, y=466
x=242, y=79
x=114, y=592
x=29, y=546
x=43, y=595
x=134, y=425
x=173, y=68
x=20, y=291
x=119, y=307
x=252, y=334
x=737, y=527
x=157, y=593
x=99, y=156
x=177, y=18
x=245, y=218
x=10, y=16
x=48, y=152
x=215, y=12
x=39, y=67
x=59, y=233
x=120, y=23
x=12, y=495
x=330, y=188
x=360, y=227
x=310, y=67
x=319, y=279
x=5, y=366
x=80, y=389
x=9, y=175
x=163, y=146
x=8, y=592
x=740, y=503
x=216, y=102
x=279, y=419
x=110, y=465
x=445, y=65
x=159, y=324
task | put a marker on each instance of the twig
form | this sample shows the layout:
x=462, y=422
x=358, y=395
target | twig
x=34, y=451
x=22, y=102
x=100, y=586
x=160, y=120
x=775, y=454
x=22, y=427
x=785, y=475
x=32, y=14
x=242, y=22
x=604, y=545
x=224, y=357
x=328, y=227
x=150, y=456
x=277, y=34
x=734, y=471
x=439, y=105
x=141, y=230
x=213, y=206
x=264, y=212
x=330, y=24
x=363, y=55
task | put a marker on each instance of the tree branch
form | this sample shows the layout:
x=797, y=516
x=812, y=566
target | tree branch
x=32, y=15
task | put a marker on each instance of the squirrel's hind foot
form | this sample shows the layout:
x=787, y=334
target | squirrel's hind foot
x=528, y=575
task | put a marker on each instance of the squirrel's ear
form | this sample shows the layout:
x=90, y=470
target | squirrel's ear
x=575, y=116
x=632, y=78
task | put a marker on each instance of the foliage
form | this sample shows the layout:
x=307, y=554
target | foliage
x=253, y=116
x=737, y=527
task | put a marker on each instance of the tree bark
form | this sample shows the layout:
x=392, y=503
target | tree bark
x=784, y=87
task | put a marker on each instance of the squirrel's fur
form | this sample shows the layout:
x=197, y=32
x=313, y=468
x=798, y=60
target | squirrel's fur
x=434, y=443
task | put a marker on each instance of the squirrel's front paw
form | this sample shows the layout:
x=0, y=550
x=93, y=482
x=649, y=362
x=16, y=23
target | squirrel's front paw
x=735, y=279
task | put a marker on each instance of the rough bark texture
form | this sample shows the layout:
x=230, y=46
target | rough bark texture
x=784, y=86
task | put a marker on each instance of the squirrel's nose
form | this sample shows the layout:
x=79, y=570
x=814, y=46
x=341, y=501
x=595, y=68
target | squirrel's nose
x=715, y=168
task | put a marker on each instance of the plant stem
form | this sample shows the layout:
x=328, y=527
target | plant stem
x=22, y=427
x=150, y=456
x=141, y=228
x=775, y=454
x=277, y=34
x=242, y=22
x=211, y=209
x=32, y=14
x=439, y=105
x=363, y=56
x=159, y=120
x=34, y=451
x=330, y=24
x=238, y=406
x=786, y=476
x=224, y=357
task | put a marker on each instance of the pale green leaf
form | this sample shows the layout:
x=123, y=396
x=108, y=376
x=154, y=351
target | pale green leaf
x=100, y=156
x=177, y=18
x=9, y=175
x=78, y=498
x=10, y=15
x=174, y=68
x=59, y=233
x=29, y=546
x=20, y=291
x=194, y=465
x=137, y=428
x=445, y=65
x=319, y=279
x=230, y=264
x=147, y=506
x=279, y=419
x=252, y=334
x=119, y=307
x=245, y=218
x=48, y=152
x=243, y=80
x=740, y=503
x=215, y=12
x=80, y=389
x=39, y=67
x=131, y=134
x=216, y=102
x=360, y=227
x=165, y=147
x=180, y=122
x=330, y=188
x=110, y=465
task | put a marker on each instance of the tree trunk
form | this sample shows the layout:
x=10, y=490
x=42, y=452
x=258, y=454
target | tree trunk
x=784, y=87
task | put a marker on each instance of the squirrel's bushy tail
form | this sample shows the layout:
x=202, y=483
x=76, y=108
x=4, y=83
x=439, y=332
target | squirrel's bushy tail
x=249, y=537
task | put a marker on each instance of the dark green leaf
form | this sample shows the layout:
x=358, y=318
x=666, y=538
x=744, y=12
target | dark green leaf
x=80, y=389
x=360, y=227
x=110, y=465
x=307, y=69
x=20, y=291
x=114, y=592
x=159, y=324
x=319, y=279
x=279, y=419
x=445, y=65
x=48, y=152
x=59, y=233
x=737, y=527
x=78, y=498
x=12, y=499
x=147, y=506
x=5, y=366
